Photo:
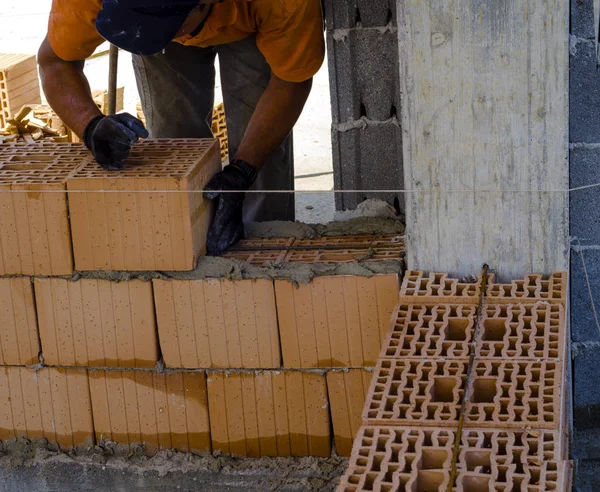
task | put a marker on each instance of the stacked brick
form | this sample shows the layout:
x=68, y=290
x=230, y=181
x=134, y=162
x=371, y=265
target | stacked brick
x=514, y=435
x=19, y=84
x=219, y=129
x=362, y=49
x=96, y=345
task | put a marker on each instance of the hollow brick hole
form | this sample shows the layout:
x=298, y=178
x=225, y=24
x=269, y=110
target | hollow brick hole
x=484, y=390
x=478, y=459
x=494, y=330
x=476, y=484
x=443, y=389
x=457, y=329
x=429, y=481
x=433, y=459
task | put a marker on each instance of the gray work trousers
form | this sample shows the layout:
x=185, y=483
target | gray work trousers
x=177, y=92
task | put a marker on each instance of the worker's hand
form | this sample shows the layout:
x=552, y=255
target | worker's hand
x=227, y=227
x=110, y=138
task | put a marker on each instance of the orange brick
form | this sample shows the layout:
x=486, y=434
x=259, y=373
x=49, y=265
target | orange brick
x=347, y=394
x=50, y=403
x=159, y=411
x=217, y=323
x=139, y=225
x=19, y=84
x=97, y=323
x=35, y=237
x=19, y=343
x=269, y=414
x=335, y=321
x=437, y=287
x=396, y=458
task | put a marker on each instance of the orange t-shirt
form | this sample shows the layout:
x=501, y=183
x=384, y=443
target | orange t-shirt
x=289, y=33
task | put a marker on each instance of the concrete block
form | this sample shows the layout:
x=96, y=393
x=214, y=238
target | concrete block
x=584, y=92
x=347, y=395
x=159, y=411
x=150, y=230
x=586, y=374
x=19, y=84
x=335, y=321
x=368, y=159
x=583, y=322
x=344, y=14
x=584, y=214
x=582, y=19
x=364, y=84
x=19, y=343
x=49, y=403
x=35, y=238
x=270, y=413
x=97, y=323
x=217, y=323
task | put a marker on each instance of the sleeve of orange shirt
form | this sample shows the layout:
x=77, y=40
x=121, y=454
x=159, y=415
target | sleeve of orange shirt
x=294, y=45
x=72, y=30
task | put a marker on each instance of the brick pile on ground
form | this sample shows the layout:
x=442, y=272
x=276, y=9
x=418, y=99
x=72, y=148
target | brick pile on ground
x=19, y=84
x=514, y=436
x=116, y=328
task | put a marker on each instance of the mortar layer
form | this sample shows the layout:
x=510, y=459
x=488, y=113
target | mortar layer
x=110, y=467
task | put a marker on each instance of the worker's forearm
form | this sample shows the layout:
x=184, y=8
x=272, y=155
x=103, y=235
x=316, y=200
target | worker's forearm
x=67, y=89
x=274, y=117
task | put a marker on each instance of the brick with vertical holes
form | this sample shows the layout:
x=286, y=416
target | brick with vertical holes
x=153, y=216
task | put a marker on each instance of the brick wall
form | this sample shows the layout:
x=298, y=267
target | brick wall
x=584, y=123
x=92, y=350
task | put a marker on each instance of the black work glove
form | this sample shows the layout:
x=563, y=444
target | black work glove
x=227, y=227
x=110, y=138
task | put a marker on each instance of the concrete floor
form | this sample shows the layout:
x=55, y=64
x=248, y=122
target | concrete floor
x=23, y=25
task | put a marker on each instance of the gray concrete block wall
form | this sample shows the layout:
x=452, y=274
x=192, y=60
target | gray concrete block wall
x=584, y=135
x=362, y=48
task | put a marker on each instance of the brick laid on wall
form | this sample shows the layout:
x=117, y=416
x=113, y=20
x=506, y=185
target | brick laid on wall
x=335, y=321
x=269, y=414
x=217, y=323
x=19, y=343
x=160, y=411
x=49, y=403
x=35, y=236
x=97, y=323
x=134, y=226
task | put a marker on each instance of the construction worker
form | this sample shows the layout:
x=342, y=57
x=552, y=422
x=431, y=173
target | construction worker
x=269, y=50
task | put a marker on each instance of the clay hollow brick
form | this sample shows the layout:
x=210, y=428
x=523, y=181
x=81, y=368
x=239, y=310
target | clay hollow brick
x=347, y=392
x=97, y=323
x=19, y=343
x=519, y=331
x=361, y=248
x=153, y=216
x=269, y=413
x=391, y=458
x=217, y=323
x=504, y=394
x=50, y=403
x=19, y=84
x=533, y=288
x=35, y=237
x=157, y=411
x=334, y=321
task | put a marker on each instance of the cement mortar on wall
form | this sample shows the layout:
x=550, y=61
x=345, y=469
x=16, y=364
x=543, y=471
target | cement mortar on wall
x=40, y=466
